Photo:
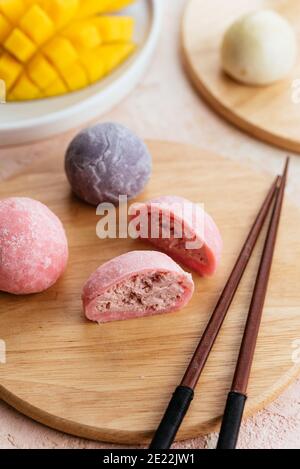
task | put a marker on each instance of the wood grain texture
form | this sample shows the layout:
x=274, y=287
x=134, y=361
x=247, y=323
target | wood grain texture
x=269, y=113
x=112, y=382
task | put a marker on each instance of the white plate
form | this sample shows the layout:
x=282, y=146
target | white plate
x=34, y=120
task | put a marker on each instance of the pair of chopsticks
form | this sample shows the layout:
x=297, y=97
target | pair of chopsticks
x=237, y=396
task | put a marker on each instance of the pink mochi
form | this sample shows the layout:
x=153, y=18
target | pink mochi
x=136, y=284
x=33, y=246
x=204, y=255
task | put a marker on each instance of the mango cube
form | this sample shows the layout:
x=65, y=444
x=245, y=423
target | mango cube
x=10, y=69
x=25, y=89
x=91, y=7
x=20, y=45
x=84, y=34
x=93, y=65
x=5, y=28
x=56, y=88
x=37, y=25
x=113, y=54
x=13, y=9
x=115, y=28
x=61, y=52
x=62, y=11
x=75, y=76
x=41, y=72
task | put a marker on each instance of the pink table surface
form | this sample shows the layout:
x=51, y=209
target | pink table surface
x=164, y=106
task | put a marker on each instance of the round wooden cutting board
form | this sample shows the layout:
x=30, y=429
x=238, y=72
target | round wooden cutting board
x=270, y=113
x=112, y=382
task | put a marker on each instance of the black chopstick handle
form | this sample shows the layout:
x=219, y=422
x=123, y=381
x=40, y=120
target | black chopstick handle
x=232, y=419
x=174, y=415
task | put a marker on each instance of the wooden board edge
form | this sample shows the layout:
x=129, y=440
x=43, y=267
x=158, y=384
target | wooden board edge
x=68, y=426
x=139, y=438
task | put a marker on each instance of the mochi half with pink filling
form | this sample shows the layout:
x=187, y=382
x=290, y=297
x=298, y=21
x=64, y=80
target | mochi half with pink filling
x=136, y=284
x=182, y=229
x=33, y=246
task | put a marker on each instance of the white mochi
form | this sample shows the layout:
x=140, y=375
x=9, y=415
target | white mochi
x=259, y=48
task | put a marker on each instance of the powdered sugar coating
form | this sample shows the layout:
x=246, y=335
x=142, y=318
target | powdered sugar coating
x=198, y=226
x=105, y=161
x=121, y=271
x=33, y=246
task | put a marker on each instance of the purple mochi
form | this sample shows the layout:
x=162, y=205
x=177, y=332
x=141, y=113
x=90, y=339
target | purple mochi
x=105, y=161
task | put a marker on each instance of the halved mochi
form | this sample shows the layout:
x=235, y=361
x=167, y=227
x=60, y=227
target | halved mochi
x=139, y=283
x=182, y=229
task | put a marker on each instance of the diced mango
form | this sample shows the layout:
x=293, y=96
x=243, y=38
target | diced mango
x=57, y=88
x=61, y=52
x=91, y=7
x=5, y=28
x=94, y=67
x=25, y=89
x=113, y=54
x=37, y=25
x=75, y=76
x=115, y=28
x=20, y=45
x=104, y=59
x=41, y=72
x=84, y=34
x=10, y=69
x=51, y=47
x=61, y=11
x=13, y=9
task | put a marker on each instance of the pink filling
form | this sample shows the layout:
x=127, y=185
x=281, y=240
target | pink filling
x=189, y=223
x=140, y=295
x=177, y=245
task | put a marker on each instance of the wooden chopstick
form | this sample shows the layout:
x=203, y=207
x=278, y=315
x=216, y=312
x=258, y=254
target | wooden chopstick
x=184, y=393
x=237, y=396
